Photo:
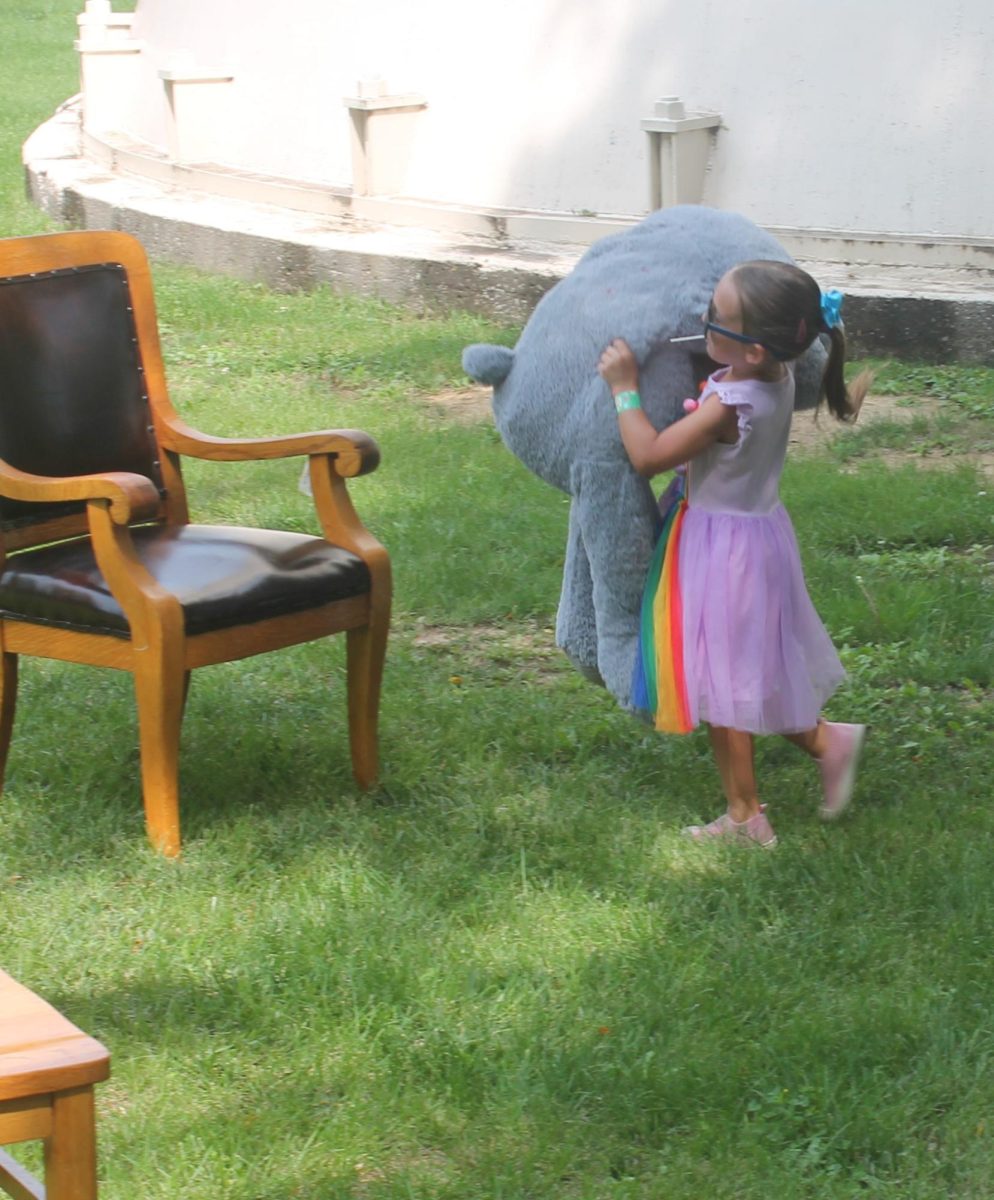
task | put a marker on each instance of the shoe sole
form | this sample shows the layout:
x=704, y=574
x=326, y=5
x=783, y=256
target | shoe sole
x=848, y=781
x=701, y=838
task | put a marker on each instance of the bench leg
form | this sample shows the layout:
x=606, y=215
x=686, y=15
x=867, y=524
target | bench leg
x=71, y=1148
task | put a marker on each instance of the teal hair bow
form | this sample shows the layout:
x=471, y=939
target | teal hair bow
x=831, y=308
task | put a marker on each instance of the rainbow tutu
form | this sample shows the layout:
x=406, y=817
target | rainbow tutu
x=659, y=684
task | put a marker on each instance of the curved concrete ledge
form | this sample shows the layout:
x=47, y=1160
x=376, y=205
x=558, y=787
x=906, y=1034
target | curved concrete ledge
x=288, y=249
x=124, y=156
x=905, y=311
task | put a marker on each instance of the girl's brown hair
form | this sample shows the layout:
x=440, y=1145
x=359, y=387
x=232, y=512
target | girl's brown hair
x=780, y=306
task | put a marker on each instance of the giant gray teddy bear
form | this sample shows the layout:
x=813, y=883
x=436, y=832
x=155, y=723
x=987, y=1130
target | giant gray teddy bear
x=648, y=285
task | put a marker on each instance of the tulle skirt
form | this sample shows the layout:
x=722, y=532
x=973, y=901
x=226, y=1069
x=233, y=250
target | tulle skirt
x=728, y=633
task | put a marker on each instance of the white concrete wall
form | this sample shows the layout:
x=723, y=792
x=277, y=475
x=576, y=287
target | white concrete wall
x=855, y=115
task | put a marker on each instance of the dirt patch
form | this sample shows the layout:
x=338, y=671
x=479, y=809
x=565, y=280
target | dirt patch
x=472, y=403
x=809, y=434
x=467, y=405
x=490, y=652
x=933, y=449
x=525, y=637
x=813, y=431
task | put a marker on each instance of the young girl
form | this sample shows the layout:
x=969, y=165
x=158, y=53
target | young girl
x=729, y=634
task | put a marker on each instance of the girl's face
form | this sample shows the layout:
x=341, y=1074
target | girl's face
x=724, y=317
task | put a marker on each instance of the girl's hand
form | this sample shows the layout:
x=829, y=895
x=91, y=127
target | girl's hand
x=618, y=368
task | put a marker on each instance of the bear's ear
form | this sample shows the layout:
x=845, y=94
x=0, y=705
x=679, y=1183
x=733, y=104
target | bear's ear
x=486, y=363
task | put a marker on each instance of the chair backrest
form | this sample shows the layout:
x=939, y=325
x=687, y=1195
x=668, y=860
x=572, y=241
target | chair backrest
x=74, y=396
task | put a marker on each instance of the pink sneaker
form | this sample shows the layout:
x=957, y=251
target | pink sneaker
x=757, y=829
x=838, y=768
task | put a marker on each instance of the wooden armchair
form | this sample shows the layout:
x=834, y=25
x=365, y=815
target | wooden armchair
x=99, y=562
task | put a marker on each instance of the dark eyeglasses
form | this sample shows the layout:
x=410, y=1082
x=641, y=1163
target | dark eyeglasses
x=711, y=327
x=744, y=338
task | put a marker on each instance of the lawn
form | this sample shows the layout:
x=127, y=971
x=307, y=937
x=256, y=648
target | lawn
x=504, y=974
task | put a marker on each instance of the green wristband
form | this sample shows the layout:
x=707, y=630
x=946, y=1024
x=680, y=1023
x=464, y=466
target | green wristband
x=626, y=400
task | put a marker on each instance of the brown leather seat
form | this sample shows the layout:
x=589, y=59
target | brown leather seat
x=100, y=561
x=221, y=577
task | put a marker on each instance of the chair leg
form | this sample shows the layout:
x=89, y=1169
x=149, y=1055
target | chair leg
x=159, y=691
x=8, y=702
x=71, y=1148
x=365, y=654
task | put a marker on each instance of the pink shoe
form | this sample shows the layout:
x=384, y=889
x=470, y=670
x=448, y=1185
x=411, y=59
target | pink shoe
x=838, y=768
x=757, y=829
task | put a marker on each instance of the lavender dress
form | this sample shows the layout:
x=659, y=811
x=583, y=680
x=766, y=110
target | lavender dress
x=756, y=656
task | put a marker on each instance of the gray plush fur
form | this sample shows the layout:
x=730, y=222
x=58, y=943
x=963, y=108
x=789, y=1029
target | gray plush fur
x=648, y=284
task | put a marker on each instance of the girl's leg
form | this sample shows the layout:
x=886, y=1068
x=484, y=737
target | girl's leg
x=734, y=753
x=813, y=741
x=836, y=748
x=745, y=819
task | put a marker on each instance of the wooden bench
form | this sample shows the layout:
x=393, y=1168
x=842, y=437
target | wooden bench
x=47, y=1071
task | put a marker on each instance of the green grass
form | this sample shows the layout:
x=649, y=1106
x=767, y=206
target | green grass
x=40, y=71
x=503, y=974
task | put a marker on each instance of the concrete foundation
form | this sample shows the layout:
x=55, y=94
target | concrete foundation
x=914, y=312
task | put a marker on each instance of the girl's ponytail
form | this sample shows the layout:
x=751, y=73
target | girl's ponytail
x=844, y=402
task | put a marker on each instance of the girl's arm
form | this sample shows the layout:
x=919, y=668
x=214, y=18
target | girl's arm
x=650, y=451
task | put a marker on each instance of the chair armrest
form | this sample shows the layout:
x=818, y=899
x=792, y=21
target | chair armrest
x=132, y=497
x=355, y=452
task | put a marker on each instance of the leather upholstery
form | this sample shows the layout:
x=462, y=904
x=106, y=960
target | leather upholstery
x=72, y=389
x=221, y=575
